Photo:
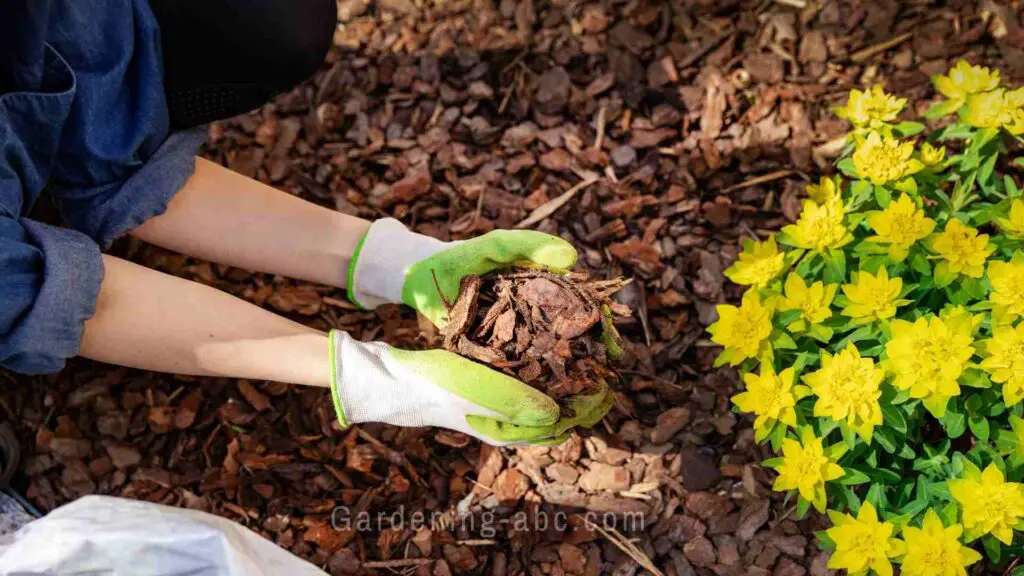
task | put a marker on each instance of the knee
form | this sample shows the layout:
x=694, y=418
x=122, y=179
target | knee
x=301, y=38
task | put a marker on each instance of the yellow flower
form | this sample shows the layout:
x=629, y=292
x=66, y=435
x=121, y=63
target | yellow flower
x=847, y=387
x=935, y=550
x=990, y=504
x=1013, y=226
x=871, y=108
x=996, y=109
x=826, y=189
x=883, y=159
x=927, y=357
x=900, y=226
x=742, y=331
x=963, y=250
x=873, y=297
x=812, y=301
x=806, y=468
x=758, y=264
x=1007, y=280
x=1004, y=360
x=820, y=226
x=932, y=156
x=863, y=544
x=772, y=397
x=964, y=80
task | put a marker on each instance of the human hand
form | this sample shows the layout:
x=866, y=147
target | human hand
x=393, y=264
x=373, y=382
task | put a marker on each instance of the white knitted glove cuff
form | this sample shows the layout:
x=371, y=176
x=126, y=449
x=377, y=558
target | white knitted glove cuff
x=372, y=386
x=386, y=252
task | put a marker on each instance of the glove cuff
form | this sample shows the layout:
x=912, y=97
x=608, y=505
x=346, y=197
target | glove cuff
x=376, y=274
x=332, y=354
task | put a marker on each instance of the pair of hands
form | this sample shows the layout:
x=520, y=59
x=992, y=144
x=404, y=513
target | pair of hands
x=373, y=382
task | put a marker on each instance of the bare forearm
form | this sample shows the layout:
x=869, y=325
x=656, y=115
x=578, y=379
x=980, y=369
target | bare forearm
x=224, y=217
x=149, y=320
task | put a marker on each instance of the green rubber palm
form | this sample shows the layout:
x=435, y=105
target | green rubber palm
x=442, y=273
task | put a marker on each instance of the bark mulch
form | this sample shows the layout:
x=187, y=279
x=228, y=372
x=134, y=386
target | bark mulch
x=653, y=135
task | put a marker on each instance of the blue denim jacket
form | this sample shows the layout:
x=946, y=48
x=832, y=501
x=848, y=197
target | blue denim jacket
x=83, y=118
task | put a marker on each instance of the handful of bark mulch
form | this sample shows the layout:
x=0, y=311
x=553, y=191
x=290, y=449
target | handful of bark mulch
x=551, y=331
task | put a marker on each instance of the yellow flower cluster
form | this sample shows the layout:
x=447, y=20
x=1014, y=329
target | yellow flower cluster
x=758, y=264
x=863, y=543
x=1007, y=280
x=976, y=92
x=927, y=358
x=873, y=296
x=806, y=467
x=962, y=249
x=772, y=397
x=1013, y=224
x=871, y=108
x=881, y=159
x=848, y=388
x=900, y=226
x=889, y=300
x=990, y=504
x=997, y=109
x=743, y=330
x=820, y=227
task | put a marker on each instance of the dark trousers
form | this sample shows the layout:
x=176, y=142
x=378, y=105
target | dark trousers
x=226, y=57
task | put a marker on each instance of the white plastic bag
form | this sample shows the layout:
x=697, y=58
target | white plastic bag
x=101, y=535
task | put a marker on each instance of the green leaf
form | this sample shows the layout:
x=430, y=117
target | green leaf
x=876, y=495
x=772, y=462
x=993, y=548
x=893, y=418
x=958, y=131
x=847, y=167
x=974, y=378
x=940, y=109
x=1019, y=162
x=883, y=197
x=780, y=340
x=979, y=427
x=854, y=477
x=954, y=422
x=885, y=439
x=835, y=267
x=904, y=129
x=802, y=506
x=987, y=166
x=949, y=513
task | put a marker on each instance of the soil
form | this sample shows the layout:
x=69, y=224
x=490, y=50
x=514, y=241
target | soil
x=653, y=135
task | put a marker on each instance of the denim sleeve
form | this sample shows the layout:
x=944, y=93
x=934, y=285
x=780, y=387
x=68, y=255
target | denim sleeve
x=49, y=280
x=118, y=164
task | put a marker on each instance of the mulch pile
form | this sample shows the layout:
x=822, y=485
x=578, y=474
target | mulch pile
x=542, y=328
x=653, y=135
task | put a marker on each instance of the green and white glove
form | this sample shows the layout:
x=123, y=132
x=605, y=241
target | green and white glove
x=373, y=382
x=395, y=265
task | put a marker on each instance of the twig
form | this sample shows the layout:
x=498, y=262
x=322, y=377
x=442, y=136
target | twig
x=601, y=118
x=549, y=207
x=705, y=49
x=437, y=284
x=770, y=177
x=402, y=563
x=627, y=547
x=865, y=54
x=476, y=542
x=394, y=456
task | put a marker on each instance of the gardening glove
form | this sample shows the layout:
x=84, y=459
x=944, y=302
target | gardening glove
x=394, y=265
x=373, y=382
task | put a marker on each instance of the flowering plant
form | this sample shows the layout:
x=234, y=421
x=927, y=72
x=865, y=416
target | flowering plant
x=881, y=339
